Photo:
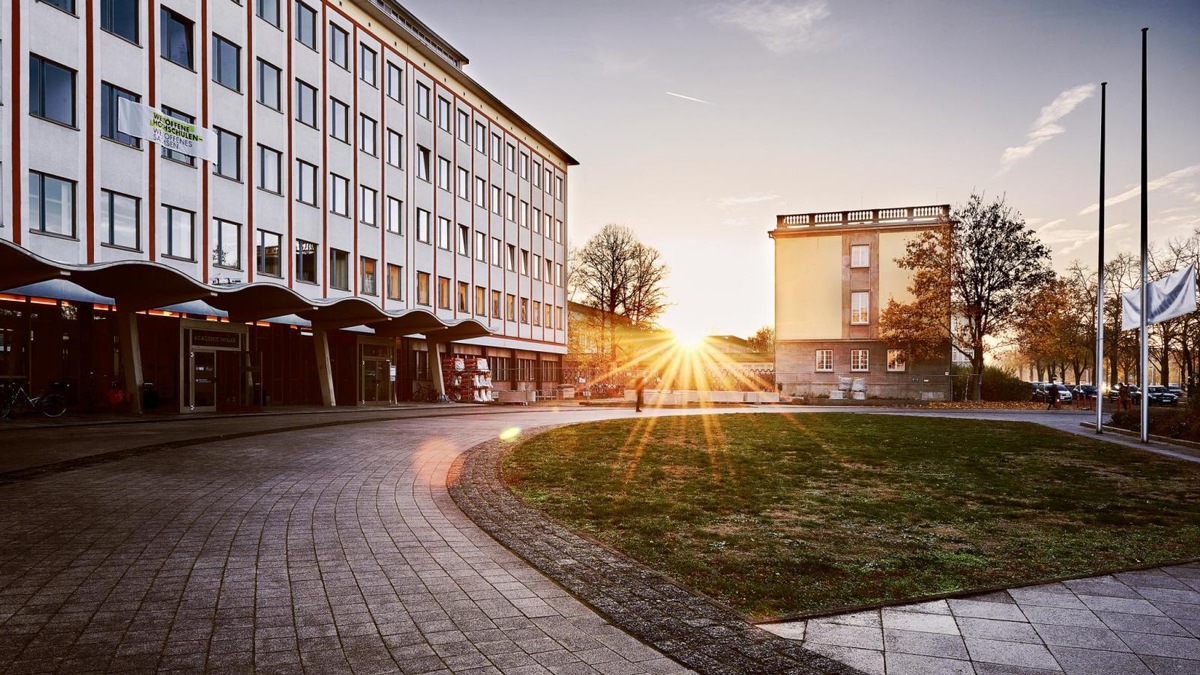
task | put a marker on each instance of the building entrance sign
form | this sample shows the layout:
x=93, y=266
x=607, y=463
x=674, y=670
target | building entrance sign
x=210, y=339
x=137, y=119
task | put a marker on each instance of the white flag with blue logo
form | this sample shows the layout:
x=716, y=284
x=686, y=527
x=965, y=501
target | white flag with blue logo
x=1168, y=298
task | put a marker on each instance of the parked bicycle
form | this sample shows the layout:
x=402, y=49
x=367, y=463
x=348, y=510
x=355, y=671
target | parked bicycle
x=425, y=393
x=16, y=398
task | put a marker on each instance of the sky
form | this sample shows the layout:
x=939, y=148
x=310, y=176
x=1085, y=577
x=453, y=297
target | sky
x=696, y=123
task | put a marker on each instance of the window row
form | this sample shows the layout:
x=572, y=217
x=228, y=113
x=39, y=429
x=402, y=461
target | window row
x=497, y=305
x=860, y=361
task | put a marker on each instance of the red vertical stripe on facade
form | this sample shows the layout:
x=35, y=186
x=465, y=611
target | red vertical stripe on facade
x=151, y=155
x=353, y=202
x=324, y=98
x=204, y=165
x=16, y=118
x=248, y=180
x=88, y=124
x=286, y=255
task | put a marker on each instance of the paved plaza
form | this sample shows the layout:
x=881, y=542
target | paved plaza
x=209, y=545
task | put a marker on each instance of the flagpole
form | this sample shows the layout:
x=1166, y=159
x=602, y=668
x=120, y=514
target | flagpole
x=1098, y=380
x=1143, y=375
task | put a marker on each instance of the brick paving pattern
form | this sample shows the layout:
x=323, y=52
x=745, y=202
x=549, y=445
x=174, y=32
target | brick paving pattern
x=328, y=550
x=1132, y=623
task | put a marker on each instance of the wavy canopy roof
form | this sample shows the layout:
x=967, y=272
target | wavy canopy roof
x=139, y=285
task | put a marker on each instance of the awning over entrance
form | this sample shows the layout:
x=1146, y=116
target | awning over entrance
x=139, y=285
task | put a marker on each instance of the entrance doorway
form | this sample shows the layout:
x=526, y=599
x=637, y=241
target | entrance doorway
x=378, y=375
x=204, y=381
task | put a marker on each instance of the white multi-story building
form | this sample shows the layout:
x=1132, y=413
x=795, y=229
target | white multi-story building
x=352, y=160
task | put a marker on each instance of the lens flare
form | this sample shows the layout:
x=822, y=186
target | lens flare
x=510, y=434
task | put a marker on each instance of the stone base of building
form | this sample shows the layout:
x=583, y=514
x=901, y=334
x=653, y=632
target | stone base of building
x=797, y=372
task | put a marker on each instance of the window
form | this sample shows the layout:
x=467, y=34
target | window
x=537, y=313
x=338, y=39
x=824, y=362
x=368, y=198
x=524, y=310
x=110, y=101
x=559, y=231
x=395, y=148
x=537, y=221
x=537, y=174
x=496, y=305
x=51, y=91
x=558, y=188
x=524, y=166
x=52, y=204
x=423, y=162
x=395, y=215
x=497, y=144
x=860, y=256
x=480, y=192
x=422, y=100
x=339, y=269
x=122, y=215
x=464, y=297
x=339, y=126
x=496, y=252
x=549, y=270
x=67, y=6
x=366, y=65
x=464, y=183
x=511, y=259
x=306, y=25
x=367, y=274
x=367, y=130
x=443, y=174
x=395, y=82
x=268, y=85
x=181, y=226
x=524, y=263
x=227, y=249
x=175, y=154
x=443, y=114
x=549, y=179
x=860, y=308
x=510, y=305
x=226, y=63
x=537, y=266
x=443, y=241
x=268, y=253
x=497, y=203
x=443, y=293
x=480, y=301
x=480, y=137
x=523, y=214
x=559, y=279
x=268, y=10
x=306, y=103
x=120, y=17
x=306, y=261
x=481, y=247
x=859, y=360
x=339, y=197
x=270, y=167
x=510, y=158
x=464, y=126
x=896, y=361
x=423, y=288
x=549, y=321
x=510, y=207
x=395, y=282
x=176, y=38
x=423, y=226
x=229, y=154
x=464, y=240
x=306, y=182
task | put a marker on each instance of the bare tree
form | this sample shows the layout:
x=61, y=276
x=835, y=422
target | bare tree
x=763, y=340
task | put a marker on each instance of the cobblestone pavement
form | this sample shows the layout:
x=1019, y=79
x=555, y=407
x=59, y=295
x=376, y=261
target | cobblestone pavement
x=1134, y=623
x=329, y=550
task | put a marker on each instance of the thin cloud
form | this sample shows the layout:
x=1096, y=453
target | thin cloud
x=1046, y=125
x=1161, y=182
x=745, y=200
x=1050, y=224
x=687, y=98
x=781, y=27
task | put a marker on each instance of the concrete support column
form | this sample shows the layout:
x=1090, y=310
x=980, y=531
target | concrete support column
x=435, y=366
x=131, y=357
x=324, y=366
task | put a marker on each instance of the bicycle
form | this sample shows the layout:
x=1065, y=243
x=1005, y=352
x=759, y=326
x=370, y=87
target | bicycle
x=425, y=393
x=50, y=405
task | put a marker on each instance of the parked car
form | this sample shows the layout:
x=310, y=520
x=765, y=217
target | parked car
x=1134, y=392
x=1175, y=389
x=1159, y=395
x=1039, y=392
x=1084, y=392
x=1064, y=394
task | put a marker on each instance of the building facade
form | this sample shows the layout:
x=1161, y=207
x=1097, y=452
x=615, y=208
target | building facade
x=834, y=273
x=382, y=199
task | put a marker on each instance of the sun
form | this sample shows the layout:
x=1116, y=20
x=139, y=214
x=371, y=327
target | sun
x=688, y=339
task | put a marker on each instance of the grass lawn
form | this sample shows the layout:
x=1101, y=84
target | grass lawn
x=785, y=514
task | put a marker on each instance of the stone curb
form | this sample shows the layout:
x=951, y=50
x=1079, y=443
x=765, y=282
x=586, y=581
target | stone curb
x=694, y=630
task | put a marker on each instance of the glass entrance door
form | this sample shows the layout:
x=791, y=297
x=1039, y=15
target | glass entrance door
x=376, y=381
x=204, y=381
